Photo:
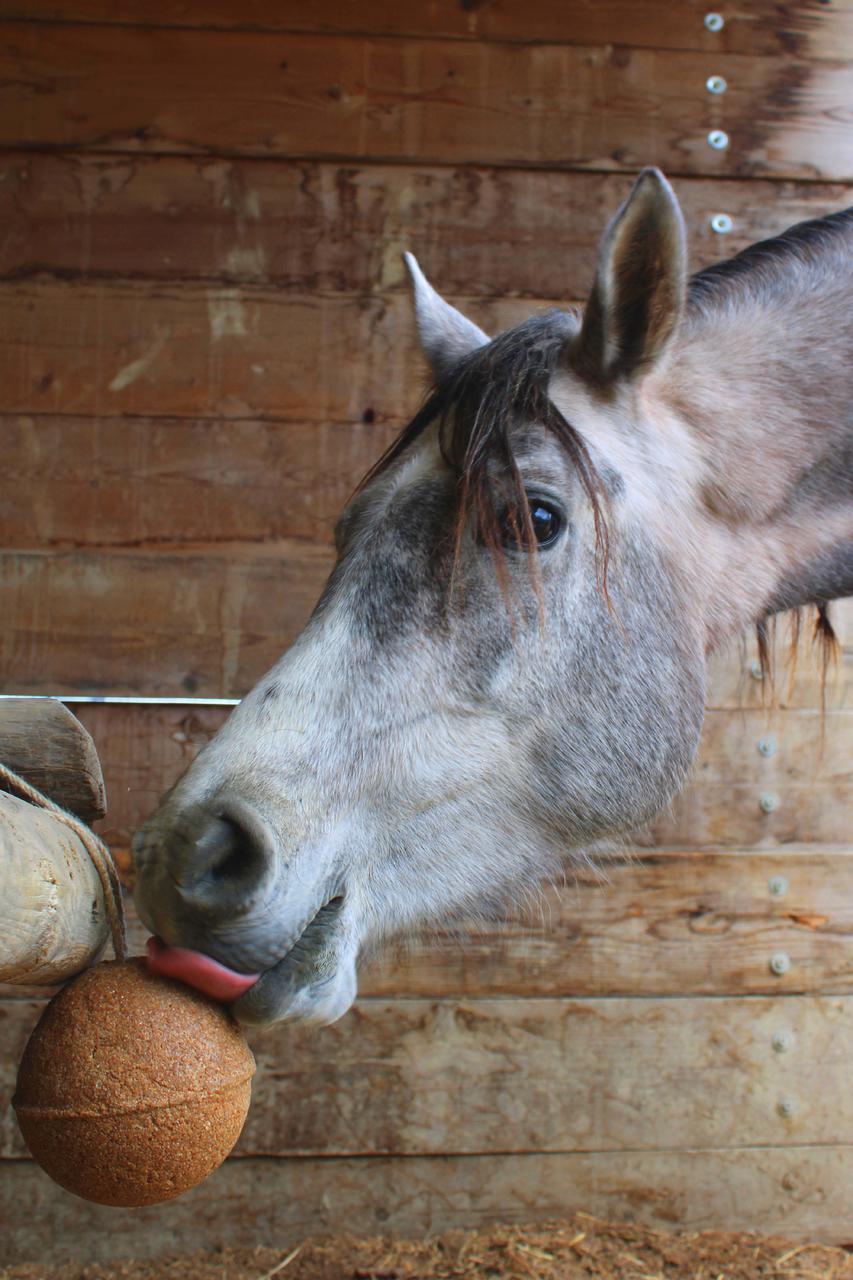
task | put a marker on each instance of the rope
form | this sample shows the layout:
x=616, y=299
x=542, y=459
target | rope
x=101, y=857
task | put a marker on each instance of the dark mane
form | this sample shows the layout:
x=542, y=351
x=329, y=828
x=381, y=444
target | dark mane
x=765, y=262
x=477, y=405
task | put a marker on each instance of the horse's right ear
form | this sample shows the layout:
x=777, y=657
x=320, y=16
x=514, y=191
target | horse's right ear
x=446, y=335
x=640, y=285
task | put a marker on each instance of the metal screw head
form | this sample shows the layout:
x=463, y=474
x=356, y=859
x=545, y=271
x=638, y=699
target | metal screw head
x=767, y=746
x=714, y=21
x=780, y=963
x=778, y=886
x=769, y=803
x=786, y=1107
x=782, y=1041
x=718, y=139
x=716, y=84
x=755, y=670
x=721, y=223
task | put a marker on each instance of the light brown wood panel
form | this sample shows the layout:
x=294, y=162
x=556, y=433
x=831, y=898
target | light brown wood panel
x=798, y=1192
x=594, y=107
x=398, y=1077
x=809, y=28
x=309, y=226
x=153, y=623
x=735, y=679
x=731, y=813
x=208, y=622
x=775, y=749
x=150, y=483
x=661, y=923
x=194, y=351
x=91, y=483
x=145, y=749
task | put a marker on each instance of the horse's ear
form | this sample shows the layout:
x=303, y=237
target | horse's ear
x=446, y=335
x=640, y=284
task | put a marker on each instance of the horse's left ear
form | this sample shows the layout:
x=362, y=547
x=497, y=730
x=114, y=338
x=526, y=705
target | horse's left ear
x=446, y=335
x=640, y=285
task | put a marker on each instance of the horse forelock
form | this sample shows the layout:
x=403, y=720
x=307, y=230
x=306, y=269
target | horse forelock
x=478, y=407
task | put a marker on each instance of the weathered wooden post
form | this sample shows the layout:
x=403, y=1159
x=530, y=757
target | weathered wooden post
x=53, y=917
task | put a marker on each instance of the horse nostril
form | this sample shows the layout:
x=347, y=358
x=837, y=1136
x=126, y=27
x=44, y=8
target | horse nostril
x=225, y=848
x=226, y=856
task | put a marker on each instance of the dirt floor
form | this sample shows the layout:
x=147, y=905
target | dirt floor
x=580, y=1248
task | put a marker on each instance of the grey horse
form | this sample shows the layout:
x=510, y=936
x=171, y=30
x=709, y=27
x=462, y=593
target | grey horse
x=508, y=661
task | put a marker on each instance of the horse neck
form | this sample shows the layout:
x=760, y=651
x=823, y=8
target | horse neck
x=763, y=378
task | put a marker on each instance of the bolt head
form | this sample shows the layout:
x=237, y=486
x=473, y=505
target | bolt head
x=718, y=139
x=786, y=1107
x=722, y=223
x=769, y=803
x=780, y=963
x=714, y=21
x=716, y=84
x=782, y=1041
x=767, y=746
x=755, y=670
x=778, y=886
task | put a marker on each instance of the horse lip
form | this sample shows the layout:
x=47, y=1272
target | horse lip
x=325, y=917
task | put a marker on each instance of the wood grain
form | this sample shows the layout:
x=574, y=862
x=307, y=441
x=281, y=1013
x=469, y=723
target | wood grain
x=143, y=622
x=399, y=1077
x=663, y=923
x=323, y=227
x=152, y=483
x=808, y=28
x=798, y=1192
x=193, y=351
x=730, y=813
x=797, y=677
x=53, y=922
x=48, y=746
x=208, y=621
x=589, y=107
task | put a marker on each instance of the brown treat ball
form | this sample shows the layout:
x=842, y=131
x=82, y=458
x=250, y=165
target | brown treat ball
x=132, y=1088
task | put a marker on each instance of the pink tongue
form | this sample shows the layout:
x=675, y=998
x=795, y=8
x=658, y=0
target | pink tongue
x=198, y=970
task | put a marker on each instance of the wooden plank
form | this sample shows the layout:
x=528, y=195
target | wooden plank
x=145, y=749
x=735, y=679
x=311, y=227
x=398, y=1077
x=659, y=923
x=751, y=26
x=150, y=483
x=210, y=622
x=730, y=813
x=804, y=748
x=153, y=623
x=48, y=747
x=666, y=923
x=87, y=483
x=801, y=1192
x=662, y=923
x=161, y=90
x=191, y=351
x=53, y=922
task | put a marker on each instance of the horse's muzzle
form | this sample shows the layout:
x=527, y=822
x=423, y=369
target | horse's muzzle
x=212, y=879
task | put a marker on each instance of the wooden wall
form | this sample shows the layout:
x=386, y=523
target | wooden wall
x=205, y=339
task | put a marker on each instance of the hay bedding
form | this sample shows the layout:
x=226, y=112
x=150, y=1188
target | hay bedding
x=581, y=1248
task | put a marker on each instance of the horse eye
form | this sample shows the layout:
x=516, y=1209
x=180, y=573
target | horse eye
x=546, y=522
